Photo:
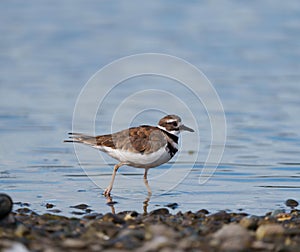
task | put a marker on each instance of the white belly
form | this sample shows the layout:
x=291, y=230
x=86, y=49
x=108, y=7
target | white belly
x=137, y=159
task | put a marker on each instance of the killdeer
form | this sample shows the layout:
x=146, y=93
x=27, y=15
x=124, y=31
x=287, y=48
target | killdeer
x=141, y=147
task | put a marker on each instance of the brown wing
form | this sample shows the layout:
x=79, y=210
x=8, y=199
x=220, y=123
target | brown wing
x=143, y=139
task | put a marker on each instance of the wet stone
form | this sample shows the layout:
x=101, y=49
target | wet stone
x=220, y=216
x=277, y=211
x=77, y=213
x=22, y=204
x=5, y=205
x=93, y=216
x=202, y=211
x=172, y=205
x=49, y=205
x=54, y=211
x=291, y=203
x=131, y=215
x=80, y=206
x=25, y=210
x=250, y=223
x=109, y=217
x=160, y=211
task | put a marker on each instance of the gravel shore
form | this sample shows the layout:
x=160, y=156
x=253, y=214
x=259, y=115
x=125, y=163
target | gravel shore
x=158, y=230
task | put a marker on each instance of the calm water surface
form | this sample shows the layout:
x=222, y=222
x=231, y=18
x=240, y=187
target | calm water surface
x=250, y=52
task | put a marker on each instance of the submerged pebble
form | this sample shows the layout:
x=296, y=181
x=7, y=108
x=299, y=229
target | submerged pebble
x=80, y=206
x=172, y=205
x=49, y=205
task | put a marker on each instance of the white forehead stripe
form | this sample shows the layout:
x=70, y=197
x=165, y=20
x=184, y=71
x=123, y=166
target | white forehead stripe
x=171, y=120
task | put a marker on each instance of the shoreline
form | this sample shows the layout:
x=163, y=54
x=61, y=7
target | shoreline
x=158, y=230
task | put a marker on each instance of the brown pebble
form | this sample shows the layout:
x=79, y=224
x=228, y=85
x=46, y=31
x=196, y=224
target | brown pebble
x=54, y=210
x=131, y=215
x=109, y=217
x=291, y=203
x=49, y=205
x=220, y=216
x=269, y=231
x=250, y=223
x=74, y=243
x=160, y=211
x=5, y=205
x=80, y=206
x=77, y=213
x=204, y=211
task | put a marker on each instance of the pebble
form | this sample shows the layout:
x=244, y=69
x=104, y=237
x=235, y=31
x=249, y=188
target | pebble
x=250, y=223
x=160, y=211
x=77, y=213
x=269, y=231
x=49, y=205
x=276, y=212
x=173, y=206
x=157, y=231
x=54, y=210
x=131, y=216
x=109, y=217
x=220, y=216
x=74, y=243
x=16, y=247
x=232, y=237
x=80, y=206
x=291, y=203
x=5, y=205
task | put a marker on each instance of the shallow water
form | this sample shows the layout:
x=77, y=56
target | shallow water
x=251, y=54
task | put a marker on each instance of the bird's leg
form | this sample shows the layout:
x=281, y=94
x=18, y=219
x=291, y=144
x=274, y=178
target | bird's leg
x=111, y=203
x=110, y=186
x=146, y=204
x=146, y=183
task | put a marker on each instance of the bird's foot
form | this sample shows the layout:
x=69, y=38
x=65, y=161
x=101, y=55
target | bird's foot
x=107, y=191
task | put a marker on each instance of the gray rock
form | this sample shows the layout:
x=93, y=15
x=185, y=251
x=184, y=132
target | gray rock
x=74, y=243
x=16, y=247
x=232, y=237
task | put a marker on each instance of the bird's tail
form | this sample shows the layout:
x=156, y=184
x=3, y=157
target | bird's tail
x=81, y=138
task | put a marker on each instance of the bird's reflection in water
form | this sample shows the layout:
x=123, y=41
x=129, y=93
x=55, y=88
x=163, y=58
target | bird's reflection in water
x=111, y=203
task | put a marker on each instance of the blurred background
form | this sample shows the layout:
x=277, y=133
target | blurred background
x=250, y=51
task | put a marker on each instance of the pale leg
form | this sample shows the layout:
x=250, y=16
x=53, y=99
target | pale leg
x=146, y=182
x=110, y=186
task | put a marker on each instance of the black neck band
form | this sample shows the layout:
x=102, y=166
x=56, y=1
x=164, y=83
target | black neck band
x=172, y=136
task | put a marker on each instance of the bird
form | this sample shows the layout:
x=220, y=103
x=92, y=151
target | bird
x=144, y=146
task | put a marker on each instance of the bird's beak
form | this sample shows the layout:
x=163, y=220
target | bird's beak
x=183, y=127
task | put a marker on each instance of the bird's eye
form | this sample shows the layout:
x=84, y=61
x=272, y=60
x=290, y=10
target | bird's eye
x=174, y=124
